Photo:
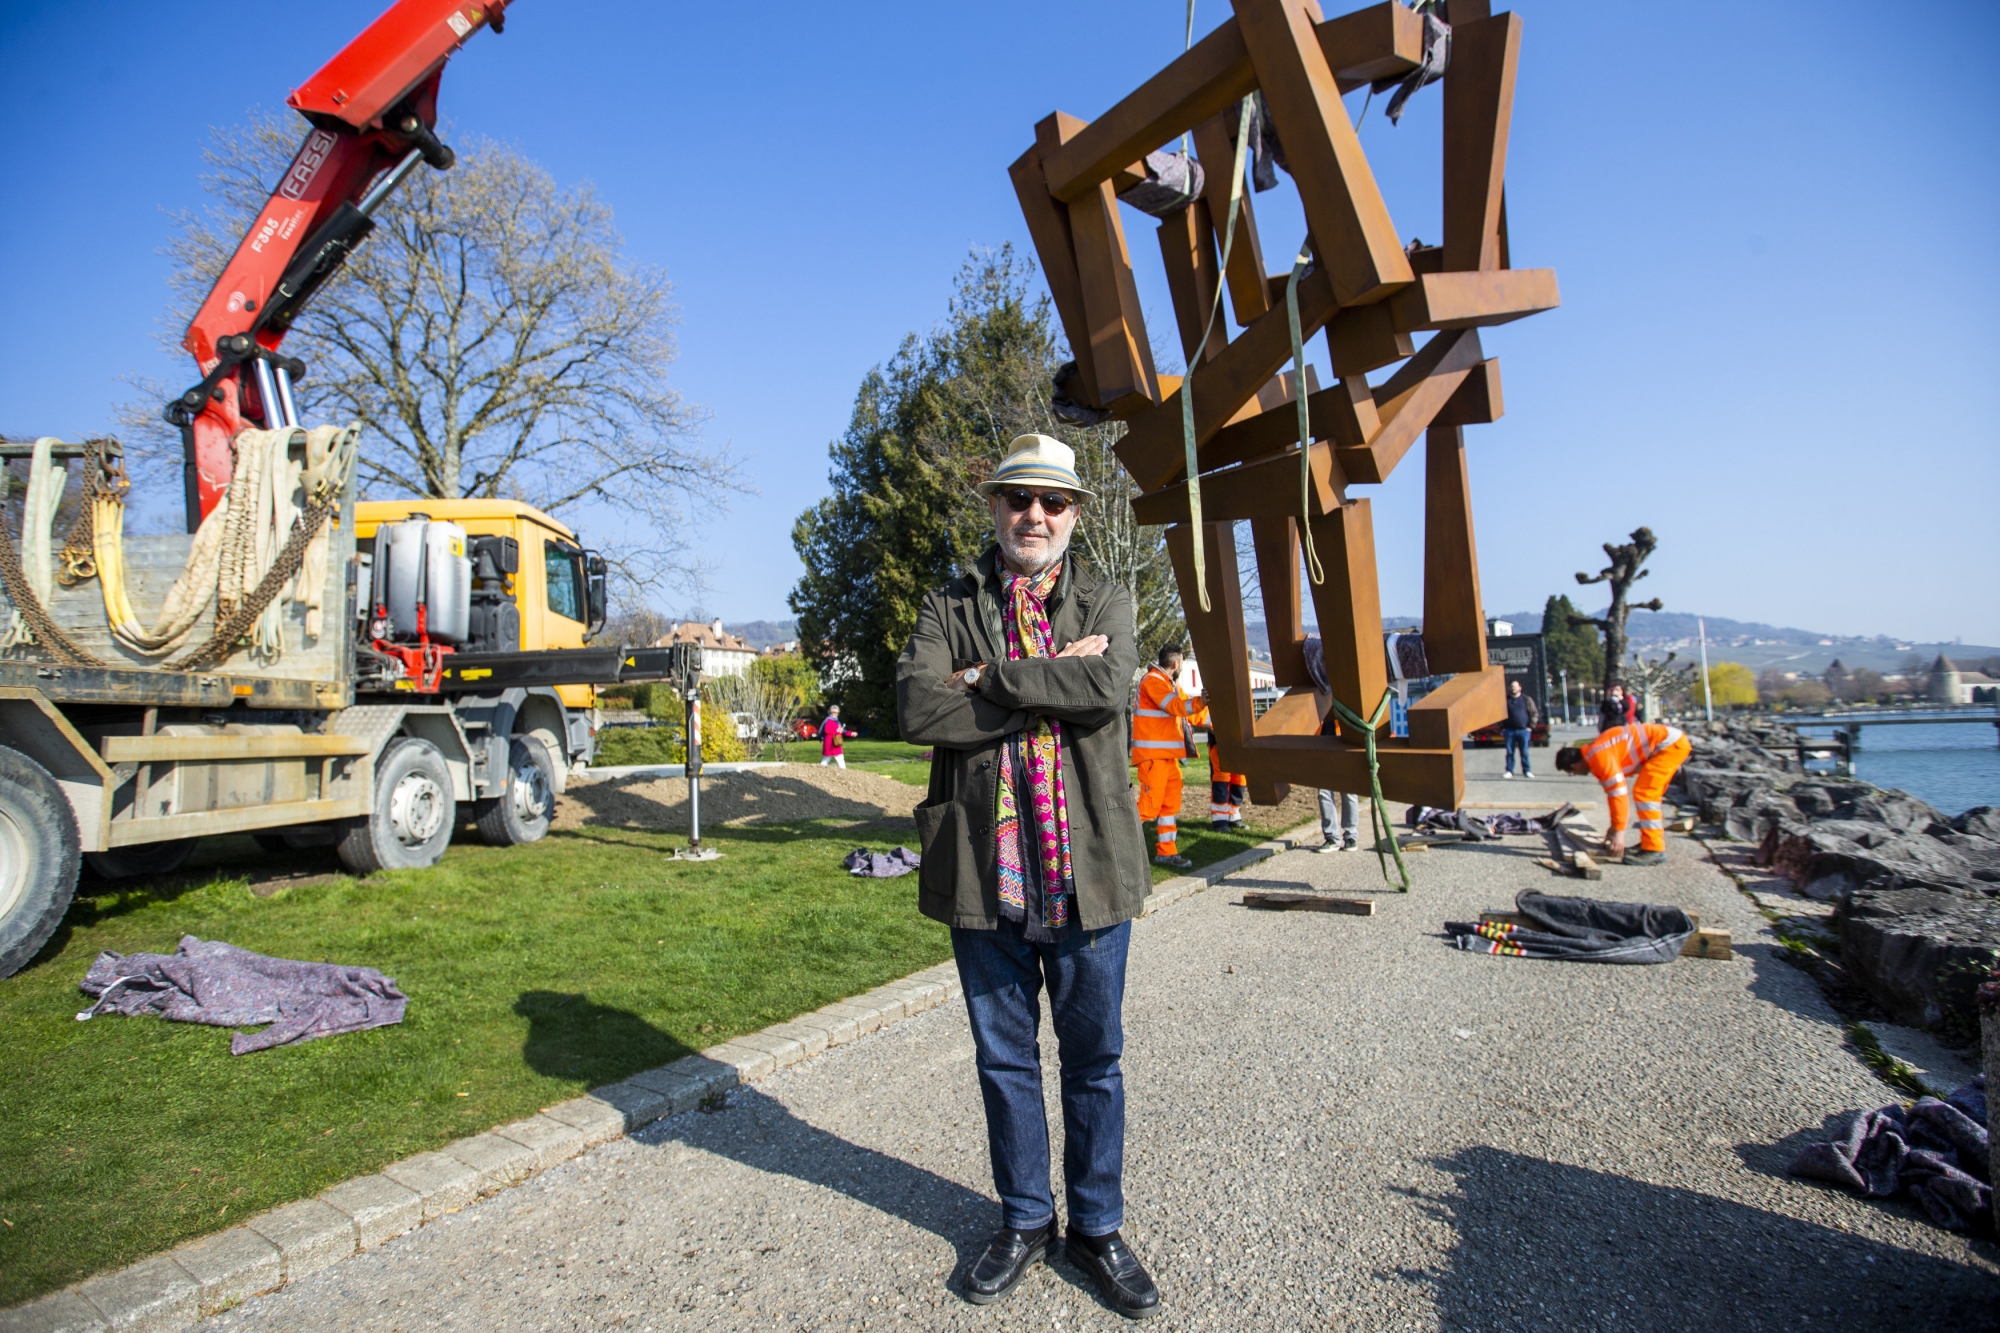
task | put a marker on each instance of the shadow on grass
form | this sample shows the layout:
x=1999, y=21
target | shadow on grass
x=570, y=1036
x=762, y=1133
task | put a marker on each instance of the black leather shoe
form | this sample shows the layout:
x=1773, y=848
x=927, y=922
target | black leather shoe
x=1120, y=1276
x=1006, y=1261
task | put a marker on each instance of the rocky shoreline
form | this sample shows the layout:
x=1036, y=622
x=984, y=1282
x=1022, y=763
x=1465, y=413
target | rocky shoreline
x=1916, y=893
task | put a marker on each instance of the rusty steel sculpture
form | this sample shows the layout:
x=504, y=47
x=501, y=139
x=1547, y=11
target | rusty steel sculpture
x=1268, y=83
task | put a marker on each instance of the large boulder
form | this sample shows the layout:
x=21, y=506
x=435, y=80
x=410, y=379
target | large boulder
x=1922, y=949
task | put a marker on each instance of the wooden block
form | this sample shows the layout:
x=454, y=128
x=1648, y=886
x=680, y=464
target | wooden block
x=1352, y=233
x=1187, y=248
x=1685, y=824
x=1477, y=401
x=1410, y=845
x=1249, y=295
x=1152, y=448
x=1048, y=227
x=1379, y=42
x=1585, y=866
x=1454, y=621
x=1478, y=113
x=1213, y=74
x=1709, y=943
x=1283, y=899
x=1474, y=300
x=1465, y=703
x=1409, y=400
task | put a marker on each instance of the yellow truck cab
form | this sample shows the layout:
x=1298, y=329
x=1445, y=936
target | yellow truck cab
x=530, y=565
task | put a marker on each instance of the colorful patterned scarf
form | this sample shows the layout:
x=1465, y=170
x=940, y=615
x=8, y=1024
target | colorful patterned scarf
x=1036, y=751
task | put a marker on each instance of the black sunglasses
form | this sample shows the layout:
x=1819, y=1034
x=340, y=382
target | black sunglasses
x=1053, y=502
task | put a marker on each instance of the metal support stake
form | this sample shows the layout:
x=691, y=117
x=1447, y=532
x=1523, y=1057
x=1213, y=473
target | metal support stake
x=690, y=680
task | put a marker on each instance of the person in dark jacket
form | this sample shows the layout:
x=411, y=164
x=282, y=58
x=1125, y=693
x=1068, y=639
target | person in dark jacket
x=1619, y=709
x=1519, y=728
x=1019, y=676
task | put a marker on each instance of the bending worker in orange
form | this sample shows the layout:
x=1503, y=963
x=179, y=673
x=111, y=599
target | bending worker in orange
x=1228, y=792
x=1643, y=755
x=1157, y=750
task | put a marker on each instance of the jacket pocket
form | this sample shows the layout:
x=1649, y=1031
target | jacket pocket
x=930, y=817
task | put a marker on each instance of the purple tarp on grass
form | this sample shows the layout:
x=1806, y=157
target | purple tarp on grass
x=224, y=986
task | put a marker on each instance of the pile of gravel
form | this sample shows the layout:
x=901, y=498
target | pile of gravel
x=762, y=796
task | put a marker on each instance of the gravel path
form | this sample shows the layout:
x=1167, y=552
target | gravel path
x=1336, y=1122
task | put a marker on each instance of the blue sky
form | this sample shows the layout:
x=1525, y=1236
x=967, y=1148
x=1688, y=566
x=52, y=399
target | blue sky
x=1776, y=237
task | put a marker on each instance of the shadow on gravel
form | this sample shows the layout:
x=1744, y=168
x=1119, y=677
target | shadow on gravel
x=762, y=1133
x=1546, y=1246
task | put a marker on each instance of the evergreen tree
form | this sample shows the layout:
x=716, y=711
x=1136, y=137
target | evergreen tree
x=903, y=517
x=1570, y=647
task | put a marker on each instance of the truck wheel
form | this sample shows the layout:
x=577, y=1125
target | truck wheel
x=414, y=812
x=39, y=855
x=522, y=811
x=151, y=858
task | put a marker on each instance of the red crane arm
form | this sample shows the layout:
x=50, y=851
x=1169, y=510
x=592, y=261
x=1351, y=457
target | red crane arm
x=373, y=110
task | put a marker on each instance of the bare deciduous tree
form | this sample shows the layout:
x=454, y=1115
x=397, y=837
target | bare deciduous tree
x=489, y=337
x=1626, y=568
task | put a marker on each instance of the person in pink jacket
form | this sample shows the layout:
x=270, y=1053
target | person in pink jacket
x=830, y=736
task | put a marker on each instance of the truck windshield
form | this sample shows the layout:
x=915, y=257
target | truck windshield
x=563, y=575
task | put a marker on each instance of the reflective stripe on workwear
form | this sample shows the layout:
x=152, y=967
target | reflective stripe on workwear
x=1156, y=717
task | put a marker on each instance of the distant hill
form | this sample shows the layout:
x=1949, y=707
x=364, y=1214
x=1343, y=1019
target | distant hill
x=762, y=634
x=1754, y=644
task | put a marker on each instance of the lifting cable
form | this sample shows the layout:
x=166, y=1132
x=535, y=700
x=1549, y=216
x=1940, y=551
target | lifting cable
x=1378, y=811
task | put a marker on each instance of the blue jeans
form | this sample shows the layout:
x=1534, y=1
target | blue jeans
x=1003, y=975
x=1517, y=739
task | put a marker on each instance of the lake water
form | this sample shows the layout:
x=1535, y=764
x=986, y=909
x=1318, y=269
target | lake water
x=1954, y=766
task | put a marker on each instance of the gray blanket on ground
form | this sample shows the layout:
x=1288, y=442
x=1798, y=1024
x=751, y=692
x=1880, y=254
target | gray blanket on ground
x=224, y=986
x=1936, y=1152
x=881, y=865
x=1582, y=929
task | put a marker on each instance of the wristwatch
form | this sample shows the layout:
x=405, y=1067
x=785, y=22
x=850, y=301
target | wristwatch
x=972, y=677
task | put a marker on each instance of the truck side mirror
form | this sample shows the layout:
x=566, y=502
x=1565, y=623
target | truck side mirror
x=594, y=570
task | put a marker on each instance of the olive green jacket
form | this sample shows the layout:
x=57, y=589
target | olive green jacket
x=958, y=625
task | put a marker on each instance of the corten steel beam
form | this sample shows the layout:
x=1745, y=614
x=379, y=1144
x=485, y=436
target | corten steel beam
x=1352, y=234
x=1362, y=338
x=1217, y=634
x=1267, y=488
x=1409, y=400
x=1454, y=623
x=1276, y=541
x=1187, y=248
x=1478, y=113
x=1477, y=401
x=1115, y=327
x=1249, y=293
x=1474, y=300
x=1348, y=605
x=1216, y=72
x=1152, y=448
x=1048, y=227
x=1465, y=703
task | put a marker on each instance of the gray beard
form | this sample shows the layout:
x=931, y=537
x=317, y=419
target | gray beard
x=1054, y=552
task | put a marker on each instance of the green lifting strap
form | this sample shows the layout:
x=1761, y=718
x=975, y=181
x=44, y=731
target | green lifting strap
x=1187, y=383
x=1378, y=811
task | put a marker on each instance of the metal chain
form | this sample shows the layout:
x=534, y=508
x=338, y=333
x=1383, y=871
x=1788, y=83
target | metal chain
x=47, y=634
x=239, y=621
x=104, y=476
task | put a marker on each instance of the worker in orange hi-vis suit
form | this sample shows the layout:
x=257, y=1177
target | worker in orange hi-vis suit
x=1228, y=792
x=1157, y=750
x=1634, y=763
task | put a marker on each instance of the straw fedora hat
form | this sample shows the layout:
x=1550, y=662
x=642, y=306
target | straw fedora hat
x=1037, y=460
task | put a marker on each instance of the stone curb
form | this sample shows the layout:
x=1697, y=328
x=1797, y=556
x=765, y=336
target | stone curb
x=173, y=1291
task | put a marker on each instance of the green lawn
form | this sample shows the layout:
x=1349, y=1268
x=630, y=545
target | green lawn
x=533, y=973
